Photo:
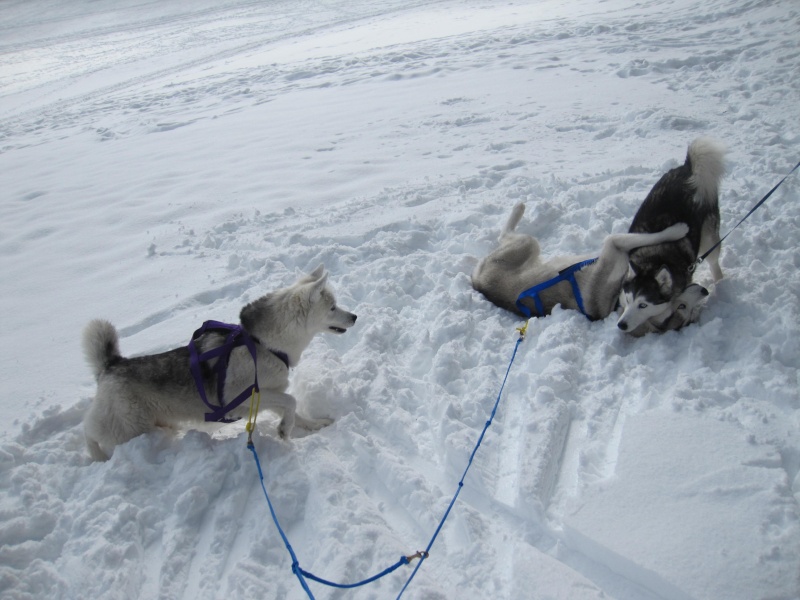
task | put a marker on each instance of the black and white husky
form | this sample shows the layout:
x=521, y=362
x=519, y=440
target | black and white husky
x=137, y=395
x=516, y=265
x=661, y=272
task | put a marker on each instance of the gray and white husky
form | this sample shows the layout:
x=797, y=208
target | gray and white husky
x=516, y=265
x=661, y=272
x=137, y=395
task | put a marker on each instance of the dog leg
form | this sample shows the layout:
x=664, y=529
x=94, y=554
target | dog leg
x=310, y=424
x=515, y=249
x=95, y=451
x=708, y=237
x=513, y=220
x=286, y=403
x=628, y=242
x=291, y=418
x=713, y=263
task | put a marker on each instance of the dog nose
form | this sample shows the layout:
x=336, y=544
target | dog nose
x=622, y=325
x=354, y=317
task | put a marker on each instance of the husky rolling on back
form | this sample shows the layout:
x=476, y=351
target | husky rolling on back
x=516, y=265
x=136, y=395
x=661, y=272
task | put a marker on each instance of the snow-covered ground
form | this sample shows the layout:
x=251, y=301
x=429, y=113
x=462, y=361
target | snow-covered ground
x=163, y=163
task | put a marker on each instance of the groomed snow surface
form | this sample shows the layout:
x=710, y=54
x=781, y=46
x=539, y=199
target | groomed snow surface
x=163, y=163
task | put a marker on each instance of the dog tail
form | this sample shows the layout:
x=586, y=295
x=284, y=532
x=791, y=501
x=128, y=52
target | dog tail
x=513, y=220
x=100, y=345
x=706, y=158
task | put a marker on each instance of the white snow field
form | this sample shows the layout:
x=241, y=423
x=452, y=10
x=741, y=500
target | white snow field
x=163, y=163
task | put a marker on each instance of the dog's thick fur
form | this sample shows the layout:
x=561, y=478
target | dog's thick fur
x=516, y=265
x=661, y=272
x=137, y=395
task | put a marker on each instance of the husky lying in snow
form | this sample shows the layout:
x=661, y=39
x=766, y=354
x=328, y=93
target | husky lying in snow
x=661, y=272
x=516, y=265
x=136, y=395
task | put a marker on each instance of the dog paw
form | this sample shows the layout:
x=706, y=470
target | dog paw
x=678, y=231
x=285, y=428
x=312, y=424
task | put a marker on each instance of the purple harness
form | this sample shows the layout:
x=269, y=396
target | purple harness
x=235, y=336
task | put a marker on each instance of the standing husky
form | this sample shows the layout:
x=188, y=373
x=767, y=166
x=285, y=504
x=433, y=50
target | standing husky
x=516, y=265
x=659, y=273
x=136, y=395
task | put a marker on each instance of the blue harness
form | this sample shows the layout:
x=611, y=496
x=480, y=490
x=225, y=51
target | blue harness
x=567, y=274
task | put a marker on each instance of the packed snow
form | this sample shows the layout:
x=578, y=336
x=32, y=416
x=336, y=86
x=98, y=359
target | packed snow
x=164, y=163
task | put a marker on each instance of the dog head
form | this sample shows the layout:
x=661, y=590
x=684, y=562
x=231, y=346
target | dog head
x=288, y=318
x=684, y=310
x=645, y=296
x=322, y=313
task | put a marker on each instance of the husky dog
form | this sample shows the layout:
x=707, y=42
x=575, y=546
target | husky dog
x=136, y=395
x=516, y=265
x=684, y=309
x=660, y=272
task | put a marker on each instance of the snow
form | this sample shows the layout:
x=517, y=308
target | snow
x=162, y=164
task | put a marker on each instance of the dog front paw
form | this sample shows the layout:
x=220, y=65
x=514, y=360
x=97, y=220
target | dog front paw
x=677, y=231
x=286, y=427
x=312, y=424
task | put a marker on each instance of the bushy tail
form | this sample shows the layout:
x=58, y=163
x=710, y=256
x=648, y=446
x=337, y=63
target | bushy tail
x=100, y=345
x=513, y=220
x=707, y=159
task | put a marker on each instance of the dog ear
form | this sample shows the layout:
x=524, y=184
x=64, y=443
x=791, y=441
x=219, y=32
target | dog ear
x=631, y=273
x=317, y=287
x=664, y=280
x=317, y=273
x=311, y=277
x=255, y=312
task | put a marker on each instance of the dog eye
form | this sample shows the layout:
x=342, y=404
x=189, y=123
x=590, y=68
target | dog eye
x=642, y=305
x=682, y=307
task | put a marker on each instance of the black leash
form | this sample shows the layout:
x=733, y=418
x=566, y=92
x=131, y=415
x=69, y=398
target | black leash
x=752, y=210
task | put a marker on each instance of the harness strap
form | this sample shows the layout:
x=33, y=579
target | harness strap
x=567, y=274
x=236, y=336
x=752, y=210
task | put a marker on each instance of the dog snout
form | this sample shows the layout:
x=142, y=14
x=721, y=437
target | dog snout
x=623, y=325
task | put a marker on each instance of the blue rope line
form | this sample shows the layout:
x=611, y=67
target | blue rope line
x=469, y=464
x=404, y=560
x=296, y=569
x=295, y=564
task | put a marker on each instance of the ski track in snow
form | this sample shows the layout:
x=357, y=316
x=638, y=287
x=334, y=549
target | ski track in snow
x=410, y=388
